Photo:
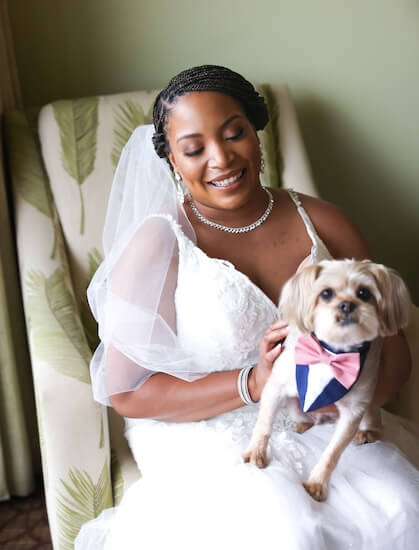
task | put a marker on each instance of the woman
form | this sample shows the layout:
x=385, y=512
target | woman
x=186, y=305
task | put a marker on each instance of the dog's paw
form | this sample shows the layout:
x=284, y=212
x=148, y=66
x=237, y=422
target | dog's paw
x=302, y=427
x=367, y=436
x=316, y=490
x=257, y=455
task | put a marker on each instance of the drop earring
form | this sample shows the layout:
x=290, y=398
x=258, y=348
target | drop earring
x=179, y=188
x=262, y=163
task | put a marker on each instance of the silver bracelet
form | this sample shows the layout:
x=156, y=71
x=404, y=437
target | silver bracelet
x=243, y=387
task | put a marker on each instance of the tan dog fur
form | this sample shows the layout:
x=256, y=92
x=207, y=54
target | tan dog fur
x=302, y=305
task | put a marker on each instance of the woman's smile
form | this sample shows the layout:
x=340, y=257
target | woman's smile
x=229, y=180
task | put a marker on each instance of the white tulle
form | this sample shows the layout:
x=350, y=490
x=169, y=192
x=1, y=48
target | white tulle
x=195, y=491
x=131, y=294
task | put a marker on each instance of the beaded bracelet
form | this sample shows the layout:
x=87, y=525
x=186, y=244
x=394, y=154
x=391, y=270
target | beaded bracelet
x=243, y=387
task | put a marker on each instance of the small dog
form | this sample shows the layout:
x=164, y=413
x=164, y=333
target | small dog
x=338, y=312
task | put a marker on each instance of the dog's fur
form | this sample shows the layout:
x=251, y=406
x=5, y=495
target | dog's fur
x=384, y=313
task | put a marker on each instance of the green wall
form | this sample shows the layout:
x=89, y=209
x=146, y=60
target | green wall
x=352, y=66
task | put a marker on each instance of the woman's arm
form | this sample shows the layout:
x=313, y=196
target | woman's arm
x=347, y=242
x=395, y=368
x=165, y=397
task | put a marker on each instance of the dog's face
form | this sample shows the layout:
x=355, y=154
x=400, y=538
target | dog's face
x=346, y=302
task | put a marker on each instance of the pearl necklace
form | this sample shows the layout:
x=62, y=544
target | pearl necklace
x=234, y=230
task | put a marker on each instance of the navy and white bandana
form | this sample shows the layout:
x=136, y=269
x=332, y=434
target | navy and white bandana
x=323, y=374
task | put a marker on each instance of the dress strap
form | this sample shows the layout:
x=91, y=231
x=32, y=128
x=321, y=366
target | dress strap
x=319, y=250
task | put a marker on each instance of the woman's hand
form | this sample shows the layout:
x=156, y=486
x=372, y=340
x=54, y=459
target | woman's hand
x=269, y=350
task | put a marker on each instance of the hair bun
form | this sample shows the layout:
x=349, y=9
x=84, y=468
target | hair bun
x=206, y=78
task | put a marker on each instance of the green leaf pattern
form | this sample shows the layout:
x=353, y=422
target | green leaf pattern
x=90, y=326
x=101, y=433
x=56, y=332
x=95, y=258
x=80, y=501
x=269, y=141
x=128, y=116
x=78, y=123
x=27, y=169
x=117, y=478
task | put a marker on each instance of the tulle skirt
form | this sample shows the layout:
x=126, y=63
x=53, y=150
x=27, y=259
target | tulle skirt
x=196, y=492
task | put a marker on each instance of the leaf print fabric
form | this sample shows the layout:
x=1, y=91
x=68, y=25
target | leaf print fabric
x=27, y=169
x=269, y=140
x=95, y=258
x=117, y=478
x=80, y=500
x=128, y=116
x=78, y=123
x=56, y=333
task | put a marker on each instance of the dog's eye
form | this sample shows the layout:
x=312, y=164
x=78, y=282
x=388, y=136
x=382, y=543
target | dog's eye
x=363, y=294
x=327, y=294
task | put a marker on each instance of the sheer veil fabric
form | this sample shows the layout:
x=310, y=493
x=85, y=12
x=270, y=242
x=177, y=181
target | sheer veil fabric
x=131, y=294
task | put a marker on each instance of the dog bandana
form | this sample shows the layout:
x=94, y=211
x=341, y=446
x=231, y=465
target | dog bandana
x=324, y=375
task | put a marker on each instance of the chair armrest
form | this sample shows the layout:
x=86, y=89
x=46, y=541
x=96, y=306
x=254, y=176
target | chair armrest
x=296, y=168
x=77, y=477
x=407, y=404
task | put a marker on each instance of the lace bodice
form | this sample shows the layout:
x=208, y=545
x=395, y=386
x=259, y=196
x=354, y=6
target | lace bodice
x=220, y=311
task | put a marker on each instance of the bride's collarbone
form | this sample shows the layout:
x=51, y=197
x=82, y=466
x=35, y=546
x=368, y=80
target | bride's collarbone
x=268, y=266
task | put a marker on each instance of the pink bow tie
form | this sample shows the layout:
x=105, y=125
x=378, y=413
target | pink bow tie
x=345, y=366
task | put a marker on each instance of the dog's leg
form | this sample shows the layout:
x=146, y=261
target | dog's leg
x=371, y=428
x=271, y=398
x=346, y=427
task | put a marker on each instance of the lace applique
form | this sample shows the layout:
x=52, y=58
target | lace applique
x=220, y=311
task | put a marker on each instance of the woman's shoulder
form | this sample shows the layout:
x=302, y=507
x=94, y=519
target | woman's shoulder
x=155, y=234
x=338, y=232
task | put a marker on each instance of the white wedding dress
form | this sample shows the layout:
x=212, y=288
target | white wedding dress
x=196, y=492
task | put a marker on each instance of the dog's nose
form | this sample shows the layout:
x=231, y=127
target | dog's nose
x=346, y=307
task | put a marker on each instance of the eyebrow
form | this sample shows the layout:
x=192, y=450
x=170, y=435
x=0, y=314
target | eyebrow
x=223, y=125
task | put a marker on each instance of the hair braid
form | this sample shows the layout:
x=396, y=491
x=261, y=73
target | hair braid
x=206, y=78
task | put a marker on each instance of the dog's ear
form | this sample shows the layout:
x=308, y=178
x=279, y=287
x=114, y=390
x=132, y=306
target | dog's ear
x=394, y=302
x=296, y=303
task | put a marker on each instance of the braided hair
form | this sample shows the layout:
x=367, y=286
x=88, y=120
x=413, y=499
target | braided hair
x=206, y=78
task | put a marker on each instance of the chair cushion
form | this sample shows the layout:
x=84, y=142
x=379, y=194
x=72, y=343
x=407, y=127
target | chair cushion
x=81, y=141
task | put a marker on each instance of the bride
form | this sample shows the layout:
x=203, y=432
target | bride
x=185, y=301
